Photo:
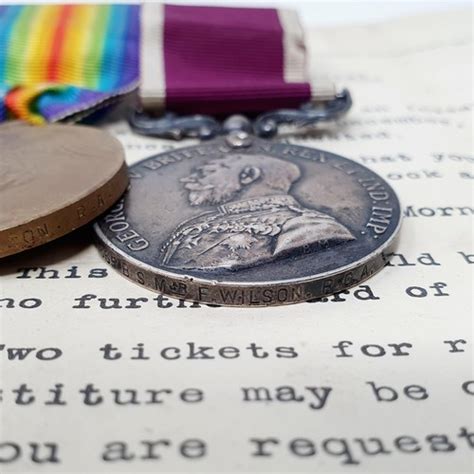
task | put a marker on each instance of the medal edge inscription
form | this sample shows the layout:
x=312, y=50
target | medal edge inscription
x=265, y=294
x=47, y=228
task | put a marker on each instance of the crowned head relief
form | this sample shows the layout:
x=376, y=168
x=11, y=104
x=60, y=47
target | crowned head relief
x=256, y=219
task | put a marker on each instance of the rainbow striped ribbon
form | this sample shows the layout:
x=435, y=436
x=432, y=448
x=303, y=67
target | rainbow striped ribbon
x=62, y=60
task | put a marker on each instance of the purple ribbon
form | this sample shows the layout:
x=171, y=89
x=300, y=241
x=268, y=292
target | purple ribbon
x=220, y=60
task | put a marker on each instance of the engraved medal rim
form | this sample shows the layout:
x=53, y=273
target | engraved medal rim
x=62, y=218
x=116, y=185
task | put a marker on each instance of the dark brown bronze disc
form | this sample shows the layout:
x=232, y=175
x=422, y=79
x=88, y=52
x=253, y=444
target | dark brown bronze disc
x=54, y=179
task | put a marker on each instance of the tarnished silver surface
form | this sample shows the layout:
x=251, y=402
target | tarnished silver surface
x=266, y=224
x=171, y=125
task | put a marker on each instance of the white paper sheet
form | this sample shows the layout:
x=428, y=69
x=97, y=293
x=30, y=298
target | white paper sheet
x=378, y=379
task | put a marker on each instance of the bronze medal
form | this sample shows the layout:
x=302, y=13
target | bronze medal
x=54, y=179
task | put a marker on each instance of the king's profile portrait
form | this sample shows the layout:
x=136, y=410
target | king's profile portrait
x=255, y=218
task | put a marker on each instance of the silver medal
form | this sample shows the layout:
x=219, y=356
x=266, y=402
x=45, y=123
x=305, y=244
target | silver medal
x=242, y=221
